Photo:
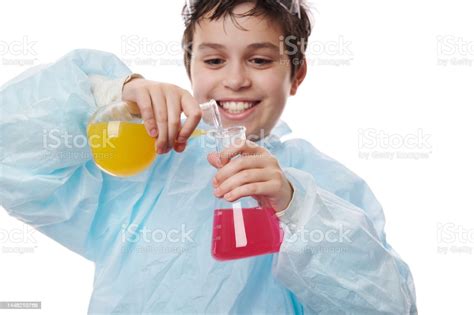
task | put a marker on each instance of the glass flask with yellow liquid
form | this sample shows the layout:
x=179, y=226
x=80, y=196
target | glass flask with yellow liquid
x=119, y=142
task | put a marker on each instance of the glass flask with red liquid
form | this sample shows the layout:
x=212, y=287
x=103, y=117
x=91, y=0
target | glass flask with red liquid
x=245, y=227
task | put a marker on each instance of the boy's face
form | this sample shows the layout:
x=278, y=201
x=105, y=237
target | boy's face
x=243, y=70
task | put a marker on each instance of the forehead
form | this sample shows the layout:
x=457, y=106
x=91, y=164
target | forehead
x=237, y=31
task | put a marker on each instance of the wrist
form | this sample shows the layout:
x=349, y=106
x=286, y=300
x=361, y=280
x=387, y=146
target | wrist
x=126, y=86
x=281, y=212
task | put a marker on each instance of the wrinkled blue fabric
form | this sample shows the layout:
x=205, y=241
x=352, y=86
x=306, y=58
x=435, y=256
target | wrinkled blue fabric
x=149, y=235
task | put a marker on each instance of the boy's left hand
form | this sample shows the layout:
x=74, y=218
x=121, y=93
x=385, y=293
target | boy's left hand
x=254, y=173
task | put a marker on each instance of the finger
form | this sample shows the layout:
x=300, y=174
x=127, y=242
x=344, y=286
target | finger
x=214, y=159
x=174, y=116
x=161, y=117
x=193, y=115
x=179, y=147
x=146, y=111
x=242, y=178
x=244, y=148
x=237, y=165
x=252, y=189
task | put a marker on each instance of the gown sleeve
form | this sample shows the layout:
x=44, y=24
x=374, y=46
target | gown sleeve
x=48, y=179
x=334, y=256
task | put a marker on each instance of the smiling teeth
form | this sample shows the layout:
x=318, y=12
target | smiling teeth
x=237, y=107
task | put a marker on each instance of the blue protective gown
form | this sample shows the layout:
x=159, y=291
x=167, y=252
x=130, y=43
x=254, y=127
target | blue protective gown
x=149, y=235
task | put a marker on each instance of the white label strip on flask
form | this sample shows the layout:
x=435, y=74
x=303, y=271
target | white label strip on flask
x=113, y=128
x=239, y=225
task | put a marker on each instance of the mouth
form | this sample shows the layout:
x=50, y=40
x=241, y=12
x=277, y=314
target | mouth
x=237, y=109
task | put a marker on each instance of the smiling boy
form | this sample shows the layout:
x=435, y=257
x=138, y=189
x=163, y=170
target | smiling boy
x=334, y=258
x=239, y=63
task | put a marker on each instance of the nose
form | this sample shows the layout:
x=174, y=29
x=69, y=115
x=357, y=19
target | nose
x=237, y=78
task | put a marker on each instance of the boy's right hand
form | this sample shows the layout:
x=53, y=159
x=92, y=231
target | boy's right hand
x=161, y=105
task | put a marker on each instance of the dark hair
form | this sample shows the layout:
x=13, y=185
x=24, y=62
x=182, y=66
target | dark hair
x=295, y=26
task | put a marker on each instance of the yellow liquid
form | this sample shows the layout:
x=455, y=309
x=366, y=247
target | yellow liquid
x=122, y=148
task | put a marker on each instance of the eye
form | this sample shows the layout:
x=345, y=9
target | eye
x=261, y=61
x=214, y=61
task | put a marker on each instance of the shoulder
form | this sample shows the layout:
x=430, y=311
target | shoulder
x=332, y=176
x=328, y=173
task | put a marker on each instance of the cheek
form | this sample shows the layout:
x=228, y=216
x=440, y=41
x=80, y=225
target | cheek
x=200, y=85
x=276, y=84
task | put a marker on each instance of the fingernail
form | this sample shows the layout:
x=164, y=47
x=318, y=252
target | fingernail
x=153, y=132
x=181, y=139
x=160, y=150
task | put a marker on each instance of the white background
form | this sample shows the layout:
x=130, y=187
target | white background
x=400, y=76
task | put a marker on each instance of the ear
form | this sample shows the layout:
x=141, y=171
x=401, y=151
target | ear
x=299, y=77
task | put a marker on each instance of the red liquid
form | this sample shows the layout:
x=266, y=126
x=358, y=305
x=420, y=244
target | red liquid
x=262, y=229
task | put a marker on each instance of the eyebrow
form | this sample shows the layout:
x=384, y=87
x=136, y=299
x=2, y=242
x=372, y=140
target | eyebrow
x=253, y=46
